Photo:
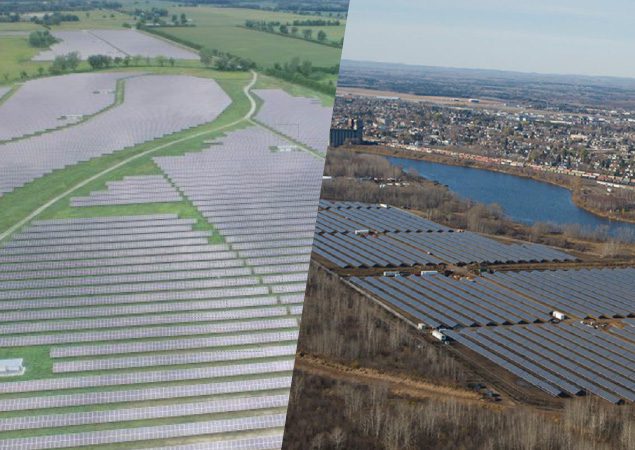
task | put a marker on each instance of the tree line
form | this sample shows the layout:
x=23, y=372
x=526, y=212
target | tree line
x=54, y=19
x=30, y=6
x=303, y=73
x=289, y=30
x=224, y=61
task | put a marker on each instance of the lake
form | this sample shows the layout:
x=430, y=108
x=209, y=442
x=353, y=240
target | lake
x=522, y=199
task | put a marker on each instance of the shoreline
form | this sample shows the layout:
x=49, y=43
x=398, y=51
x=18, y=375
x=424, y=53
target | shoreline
x=420, y=156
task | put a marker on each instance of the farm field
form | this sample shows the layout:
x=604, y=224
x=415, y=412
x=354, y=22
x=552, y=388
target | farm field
x=221, y=28
x=100, y=19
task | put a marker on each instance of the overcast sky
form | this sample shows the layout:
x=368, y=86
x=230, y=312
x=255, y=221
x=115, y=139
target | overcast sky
x=586, y=37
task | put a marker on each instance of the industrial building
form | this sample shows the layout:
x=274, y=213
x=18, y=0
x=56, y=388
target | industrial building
x=352, y=134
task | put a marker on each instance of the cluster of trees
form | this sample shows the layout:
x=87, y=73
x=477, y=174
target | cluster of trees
x=97, y=62
x=316, y=23
x=329, y=413
x=160, y=17
x=219, y=60
x=287, y=29
x=41, y=39
x=54, y=19
x=302, y=73
x=9, y=17
x=65, y=63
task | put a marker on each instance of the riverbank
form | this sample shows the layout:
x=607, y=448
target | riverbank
x=582, y=190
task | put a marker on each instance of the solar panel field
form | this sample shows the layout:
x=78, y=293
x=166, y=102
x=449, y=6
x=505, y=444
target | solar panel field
x=113, y=43
x=145, y=328
x=91, y=93
x=217, y=339
x=357, y=235
x=154, y=106
x=299, y=118
x=565, y=332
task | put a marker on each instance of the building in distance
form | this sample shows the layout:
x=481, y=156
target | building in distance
x=352, y=134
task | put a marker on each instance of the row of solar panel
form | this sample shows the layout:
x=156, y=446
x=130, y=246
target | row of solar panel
x=408, y=249
x=229, y=405
x=560, y=359
x=260, y=337
x=135, y=321
x=95, y=397
x=148, y=376
x=507, y=297
x=259, y=351
x=441, y=301
x=598, y=293
x=191, y=329
x=381, y=219
x=157, y=432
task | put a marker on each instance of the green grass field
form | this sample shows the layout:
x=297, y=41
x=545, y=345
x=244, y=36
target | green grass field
x=220, y=28
x=95, y=19
x=18, y=26
x=16, y=54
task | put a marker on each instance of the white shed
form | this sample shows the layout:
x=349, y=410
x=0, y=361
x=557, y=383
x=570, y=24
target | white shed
x=559, y=315
x=10, y=367
x=439, y=335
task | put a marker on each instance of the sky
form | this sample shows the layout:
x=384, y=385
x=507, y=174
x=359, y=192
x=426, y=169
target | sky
x=581, y=37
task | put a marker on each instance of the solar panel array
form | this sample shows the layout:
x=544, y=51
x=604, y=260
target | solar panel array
x=439, y=301
x=146, y=324
x=113, y=43
x=132, y=190
x=61, y=101
x=564, y=359
x=206, y=328
x=145, y=433
x=154, y=106
x=363, y=235
x=271, y=208
x=302, y=119
x=585, y=293
x=346, y=218
x=506, y=318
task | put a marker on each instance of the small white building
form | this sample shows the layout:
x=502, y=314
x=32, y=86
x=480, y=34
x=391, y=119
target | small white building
x=439, y=335
x=11, y=367
x=558, y=315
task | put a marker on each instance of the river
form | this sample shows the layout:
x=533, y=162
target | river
x=522, y=199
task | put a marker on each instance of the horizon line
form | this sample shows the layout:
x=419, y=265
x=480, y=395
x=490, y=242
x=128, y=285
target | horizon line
x=554, y=74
